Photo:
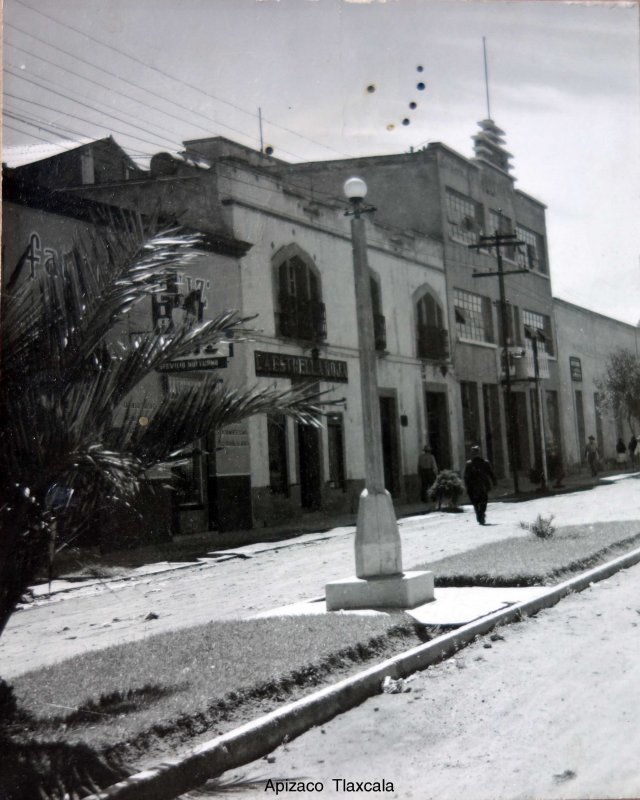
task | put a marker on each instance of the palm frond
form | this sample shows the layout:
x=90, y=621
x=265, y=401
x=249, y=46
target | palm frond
x=192, y=413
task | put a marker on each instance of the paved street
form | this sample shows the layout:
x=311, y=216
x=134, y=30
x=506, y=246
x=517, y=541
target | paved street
x=547, y=709
x=275, y=574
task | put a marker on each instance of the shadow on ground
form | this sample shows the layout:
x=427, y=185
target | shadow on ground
x=54, y=770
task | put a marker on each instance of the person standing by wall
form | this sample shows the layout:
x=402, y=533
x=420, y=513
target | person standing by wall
x=592, y=456
x=621, y=452
x=427, y=471
x=478, y=480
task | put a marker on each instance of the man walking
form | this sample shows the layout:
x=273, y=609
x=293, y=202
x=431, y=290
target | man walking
x=478, y=479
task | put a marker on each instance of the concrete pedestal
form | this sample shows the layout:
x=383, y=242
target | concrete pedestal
x=403, y=590
x=377, y=542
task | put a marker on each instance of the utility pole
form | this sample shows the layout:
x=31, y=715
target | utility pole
x=500, y=241
x=536, y=336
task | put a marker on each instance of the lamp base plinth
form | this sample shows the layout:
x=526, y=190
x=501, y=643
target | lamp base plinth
x=404, y=590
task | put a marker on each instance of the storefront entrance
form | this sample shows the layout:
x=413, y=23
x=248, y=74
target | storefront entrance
x=309, y=465
x=438, y=428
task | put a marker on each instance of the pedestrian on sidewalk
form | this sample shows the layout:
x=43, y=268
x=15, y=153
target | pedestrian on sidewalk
x=633, y=443
x=593, y=456
x=428, y=472
x=478, y=480
x=621, y=452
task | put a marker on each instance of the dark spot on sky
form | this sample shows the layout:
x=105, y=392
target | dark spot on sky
x=420, y=68
x=420, y=86
x=406, y=121
x=371, y=88
x=413, y=105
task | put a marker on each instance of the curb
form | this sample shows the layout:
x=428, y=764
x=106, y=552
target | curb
x=259, y=737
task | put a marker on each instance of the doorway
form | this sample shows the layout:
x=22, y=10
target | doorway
x=390, y=453
x=438, y=428
x=309, y=463
x=521, y=444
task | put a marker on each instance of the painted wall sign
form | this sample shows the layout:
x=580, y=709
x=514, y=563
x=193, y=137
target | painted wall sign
x=282, y=365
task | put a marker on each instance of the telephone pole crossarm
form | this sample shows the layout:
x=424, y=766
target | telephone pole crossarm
x=493, y=274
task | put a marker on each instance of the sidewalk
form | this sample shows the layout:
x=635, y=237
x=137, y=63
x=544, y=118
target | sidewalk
x=210, y=546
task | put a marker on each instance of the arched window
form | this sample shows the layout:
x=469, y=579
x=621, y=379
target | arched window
x=301, y=312
x=431, y=335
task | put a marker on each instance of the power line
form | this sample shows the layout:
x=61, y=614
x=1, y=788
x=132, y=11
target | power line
x=173, y=78
x=82, y=119
x=57, y=130
x=25, y=133
x=87, y=105
x=102, y=85
x=137, y=86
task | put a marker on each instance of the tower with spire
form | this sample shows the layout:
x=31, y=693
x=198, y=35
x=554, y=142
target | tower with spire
x=488, y=145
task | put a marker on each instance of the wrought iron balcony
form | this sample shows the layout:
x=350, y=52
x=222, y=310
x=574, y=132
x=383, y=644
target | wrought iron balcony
x=433, y=343
x=301, y=319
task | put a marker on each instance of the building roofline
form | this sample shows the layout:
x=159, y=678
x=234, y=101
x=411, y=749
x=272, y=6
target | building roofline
x=532, y=198
x=576, y=307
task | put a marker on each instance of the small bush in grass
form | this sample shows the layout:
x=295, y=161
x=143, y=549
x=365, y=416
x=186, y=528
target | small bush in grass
x=449, y=486
x=541, y=526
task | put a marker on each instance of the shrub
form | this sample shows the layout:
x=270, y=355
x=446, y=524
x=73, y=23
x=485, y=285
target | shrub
x=447, y=485
x=541, y=526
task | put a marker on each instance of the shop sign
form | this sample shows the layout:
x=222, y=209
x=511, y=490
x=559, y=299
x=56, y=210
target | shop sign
x=189, y=364
x=281, y=365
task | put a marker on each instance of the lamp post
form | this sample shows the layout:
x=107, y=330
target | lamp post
x=379, y=579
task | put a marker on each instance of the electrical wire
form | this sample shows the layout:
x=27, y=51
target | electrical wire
x=87, y=105
x=173, y=78
x=57, y=130
x=142, y=88
x=83, y=119
x=104, y=86
x=25, y=133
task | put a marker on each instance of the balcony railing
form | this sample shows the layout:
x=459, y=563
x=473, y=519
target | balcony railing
x=302, y=319
x=380, y=332
x=433, y=343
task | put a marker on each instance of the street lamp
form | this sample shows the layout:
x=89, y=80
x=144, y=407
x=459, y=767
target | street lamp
x=379, y=579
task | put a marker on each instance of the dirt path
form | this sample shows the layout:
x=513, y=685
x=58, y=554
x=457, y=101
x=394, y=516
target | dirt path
x=548, y=711
x=115, y=612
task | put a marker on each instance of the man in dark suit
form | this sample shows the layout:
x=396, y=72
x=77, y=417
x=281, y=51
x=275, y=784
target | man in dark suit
x=478, y=479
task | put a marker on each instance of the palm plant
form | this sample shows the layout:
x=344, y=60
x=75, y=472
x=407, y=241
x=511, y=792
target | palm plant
x=66, y=372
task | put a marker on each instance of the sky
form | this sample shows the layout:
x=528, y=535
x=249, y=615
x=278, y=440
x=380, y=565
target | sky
x=334, y=78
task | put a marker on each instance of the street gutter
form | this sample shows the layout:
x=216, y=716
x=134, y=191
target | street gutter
x=258, y=738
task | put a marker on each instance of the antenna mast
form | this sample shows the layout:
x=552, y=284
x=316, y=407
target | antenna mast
x=486, y=76
x=260, y=123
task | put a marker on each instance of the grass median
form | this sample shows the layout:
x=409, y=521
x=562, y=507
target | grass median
x=91, y=714
x=532, y=561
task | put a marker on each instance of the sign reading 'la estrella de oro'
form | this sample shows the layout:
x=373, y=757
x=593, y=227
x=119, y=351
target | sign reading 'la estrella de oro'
x=277, y=365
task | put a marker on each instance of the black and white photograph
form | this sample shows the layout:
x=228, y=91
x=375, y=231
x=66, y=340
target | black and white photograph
x=320, y=400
